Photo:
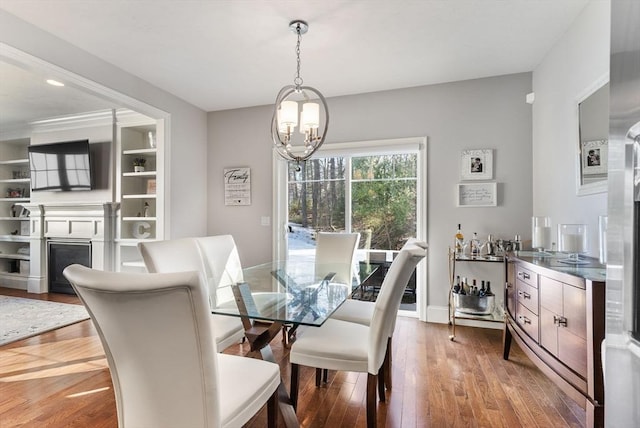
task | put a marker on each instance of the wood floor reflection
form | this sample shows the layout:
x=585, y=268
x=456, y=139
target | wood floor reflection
x=61, y=379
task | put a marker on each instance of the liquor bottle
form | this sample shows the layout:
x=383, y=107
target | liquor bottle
x=464, y=287
x=459, y=241
x=483, y=291
x=489, y=292
x=456, y=287
x=474, y=286
x=475, y=245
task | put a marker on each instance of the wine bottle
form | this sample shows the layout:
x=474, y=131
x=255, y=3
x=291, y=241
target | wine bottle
x=475, y=245
x=489, y=293
x=459, y=241
x=464, y=287
x=483, y=291
x=456, y=287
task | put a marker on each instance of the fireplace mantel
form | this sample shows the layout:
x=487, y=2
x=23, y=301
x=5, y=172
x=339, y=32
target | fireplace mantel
x=67, y=221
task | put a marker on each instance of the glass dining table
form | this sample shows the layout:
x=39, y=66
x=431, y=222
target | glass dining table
x=282, y=296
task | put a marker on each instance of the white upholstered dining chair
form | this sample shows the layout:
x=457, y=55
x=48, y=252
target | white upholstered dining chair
x=184, y=254
x=334, y=253
x=158, y=339
x=348, y=346
x=361, y=312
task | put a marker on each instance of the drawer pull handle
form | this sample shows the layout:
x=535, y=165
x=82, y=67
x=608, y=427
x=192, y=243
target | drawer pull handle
x=524, y=319
x=560, y=320
x=524, y=275
x=508, y=285
x=524, y=294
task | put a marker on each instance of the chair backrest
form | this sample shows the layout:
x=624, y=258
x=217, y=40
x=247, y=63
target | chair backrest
x=389, y=298
x=158, y=340
x=173, y=255
x=334, y=253
x=221, y=257
x=176, y=255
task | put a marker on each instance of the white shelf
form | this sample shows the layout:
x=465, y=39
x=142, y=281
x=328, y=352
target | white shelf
x=15, y=162
x=140, y=196
x=130, y=242
x=139, y=219
x=14, y=256
x=14, y=218
x=14, y=199
x=136, y=264
x=15, y=180
x=139, y=174
x=14, y=238
x=14, y=275
x=139, y=151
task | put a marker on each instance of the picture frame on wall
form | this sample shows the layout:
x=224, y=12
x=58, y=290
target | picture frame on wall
x=237, y=186
x=477, y=194
x=594, y=157
x=476, y=164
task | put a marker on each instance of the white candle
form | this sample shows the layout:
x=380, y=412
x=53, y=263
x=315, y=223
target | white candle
x=573, y=243
x=541, y=237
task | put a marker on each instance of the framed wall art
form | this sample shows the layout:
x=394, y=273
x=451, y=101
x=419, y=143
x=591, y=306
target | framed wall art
x=476, y=164
x=477, y=194
x=237, y=186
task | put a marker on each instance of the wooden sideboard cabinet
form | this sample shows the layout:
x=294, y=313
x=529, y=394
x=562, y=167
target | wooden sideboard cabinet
x=556, y=314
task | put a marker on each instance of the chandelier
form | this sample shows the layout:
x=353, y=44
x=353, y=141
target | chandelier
x=287, y=114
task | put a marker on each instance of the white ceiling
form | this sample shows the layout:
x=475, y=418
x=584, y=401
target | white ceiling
x=223, y=54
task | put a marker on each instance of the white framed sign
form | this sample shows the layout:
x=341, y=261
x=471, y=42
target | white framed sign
x=476, y=164
x=477, y=194
x=237, y=186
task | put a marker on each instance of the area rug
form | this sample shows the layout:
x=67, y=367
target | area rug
x=21, y=318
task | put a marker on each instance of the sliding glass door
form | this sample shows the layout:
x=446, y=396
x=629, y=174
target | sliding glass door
x=374, y=189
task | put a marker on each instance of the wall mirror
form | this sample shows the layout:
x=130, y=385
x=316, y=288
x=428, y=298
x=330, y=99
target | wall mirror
x=593, y=138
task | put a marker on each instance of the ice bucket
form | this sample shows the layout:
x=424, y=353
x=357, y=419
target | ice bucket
x=475, y=305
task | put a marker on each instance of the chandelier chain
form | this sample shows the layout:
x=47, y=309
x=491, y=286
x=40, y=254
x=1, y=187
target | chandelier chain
x=298, y=80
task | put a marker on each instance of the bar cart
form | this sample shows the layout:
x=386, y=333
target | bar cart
x=471, y=307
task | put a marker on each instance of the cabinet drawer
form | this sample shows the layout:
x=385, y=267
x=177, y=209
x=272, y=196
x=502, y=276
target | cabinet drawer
x=528, y=321
x=528, y=296
x=527, y=276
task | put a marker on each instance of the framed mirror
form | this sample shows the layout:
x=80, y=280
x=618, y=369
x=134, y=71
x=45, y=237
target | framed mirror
x=593, y=138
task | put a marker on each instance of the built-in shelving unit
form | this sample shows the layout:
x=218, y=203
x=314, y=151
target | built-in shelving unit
x=139, y=192
x=15, y=190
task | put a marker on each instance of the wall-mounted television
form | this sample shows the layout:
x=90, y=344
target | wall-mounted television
x=62, y=166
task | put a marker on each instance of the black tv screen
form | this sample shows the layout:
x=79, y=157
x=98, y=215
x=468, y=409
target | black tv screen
x=62, y=166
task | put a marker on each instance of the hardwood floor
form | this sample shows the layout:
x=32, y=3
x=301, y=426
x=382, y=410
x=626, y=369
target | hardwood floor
x=61, y=379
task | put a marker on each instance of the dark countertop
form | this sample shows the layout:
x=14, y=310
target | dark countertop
x=592, y=270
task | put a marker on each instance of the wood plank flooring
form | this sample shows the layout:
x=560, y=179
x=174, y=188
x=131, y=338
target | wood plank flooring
x=61, y=379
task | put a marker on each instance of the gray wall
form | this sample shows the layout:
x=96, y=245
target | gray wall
x=186, y=204
x=486, y=113
x=576, y=61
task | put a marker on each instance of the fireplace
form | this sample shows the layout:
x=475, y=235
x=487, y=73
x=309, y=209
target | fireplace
x=61, y=254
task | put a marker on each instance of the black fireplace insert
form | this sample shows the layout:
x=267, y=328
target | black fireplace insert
x=62, y=254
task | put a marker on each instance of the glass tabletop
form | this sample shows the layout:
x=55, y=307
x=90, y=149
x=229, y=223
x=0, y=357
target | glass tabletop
x=298, y=292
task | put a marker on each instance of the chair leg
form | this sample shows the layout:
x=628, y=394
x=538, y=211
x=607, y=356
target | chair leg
x=387, y=365
x=295, y=380
x=272, y=410
x=371, y=400
x=381, y=392
x=325, y=375
x=318, y=377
